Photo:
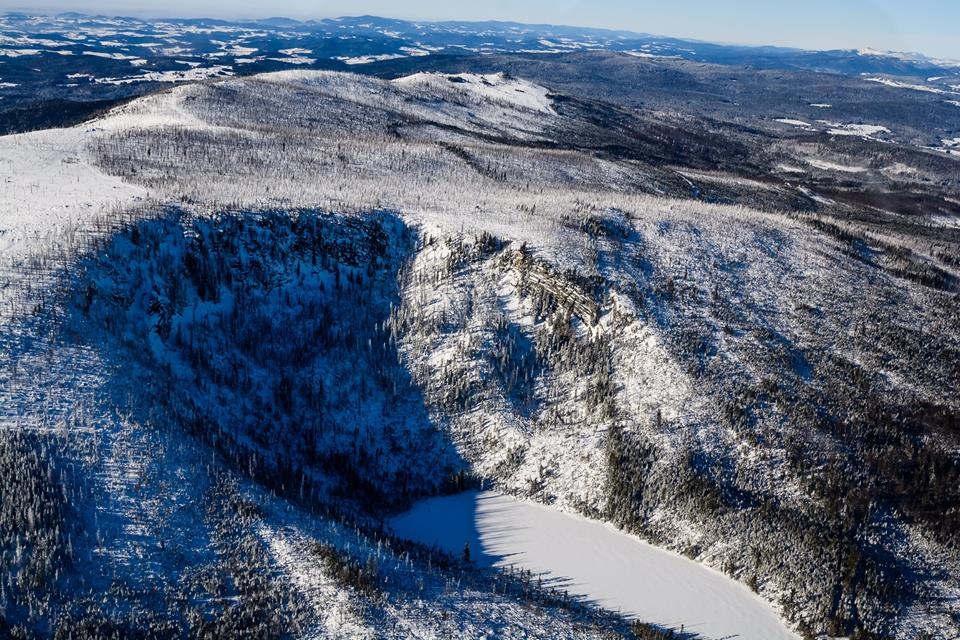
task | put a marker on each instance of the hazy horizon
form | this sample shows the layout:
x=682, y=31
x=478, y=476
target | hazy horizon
x=924, y=26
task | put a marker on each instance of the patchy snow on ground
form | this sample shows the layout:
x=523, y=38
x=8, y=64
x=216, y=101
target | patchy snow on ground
x=109, y=56
x=291, y=59
x=786, y=168
x=863, y=130
x=187, y=75
x=816, y=197
x=16, y=53
x=416, y=52
x=906, y=85
x=946, y=221
x=369, y=59
x=647, y=54
x=332, y=605
x=593, y=561
x=795, y=123
x=833, y=166
x=900, y=169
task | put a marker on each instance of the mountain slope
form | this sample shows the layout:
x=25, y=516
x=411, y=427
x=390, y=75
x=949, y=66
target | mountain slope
x=765, y=382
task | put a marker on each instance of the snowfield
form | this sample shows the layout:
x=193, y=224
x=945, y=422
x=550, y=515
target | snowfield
x=593, y=561
x=906, y=85
x=369, y=59
x=826, y=165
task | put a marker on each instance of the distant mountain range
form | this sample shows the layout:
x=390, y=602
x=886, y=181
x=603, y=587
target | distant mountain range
x=58, y=70
x=173, y=45
x=703, y=295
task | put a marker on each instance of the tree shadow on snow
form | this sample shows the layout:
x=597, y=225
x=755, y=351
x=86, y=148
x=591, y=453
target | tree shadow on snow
x=269, y=335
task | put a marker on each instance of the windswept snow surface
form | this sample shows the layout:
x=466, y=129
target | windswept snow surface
x=594, y=561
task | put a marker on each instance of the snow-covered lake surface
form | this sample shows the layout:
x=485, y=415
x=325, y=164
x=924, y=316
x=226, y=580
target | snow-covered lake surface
x=594, y=561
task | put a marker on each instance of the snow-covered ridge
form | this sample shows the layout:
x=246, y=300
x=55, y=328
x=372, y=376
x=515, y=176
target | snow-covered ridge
x=497, y=87
x=909, y=56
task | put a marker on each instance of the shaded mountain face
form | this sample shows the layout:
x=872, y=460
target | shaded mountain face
x=248, y=318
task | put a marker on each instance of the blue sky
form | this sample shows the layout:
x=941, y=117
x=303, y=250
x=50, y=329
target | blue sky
x=928, y=26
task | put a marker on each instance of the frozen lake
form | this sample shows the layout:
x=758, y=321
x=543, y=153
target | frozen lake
x=594, y=561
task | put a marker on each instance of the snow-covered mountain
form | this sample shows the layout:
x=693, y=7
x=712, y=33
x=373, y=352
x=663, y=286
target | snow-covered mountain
x=246, y=321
